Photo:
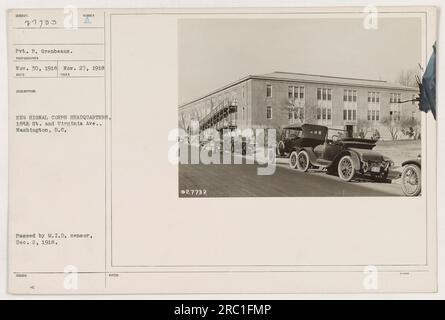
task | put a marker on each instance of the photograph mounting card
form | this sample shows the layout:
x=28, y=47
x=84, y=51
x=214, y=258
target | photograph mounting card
x=235, y=150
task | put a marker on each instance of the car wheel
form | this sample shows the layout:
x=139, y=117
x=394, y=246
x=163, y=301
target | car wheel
x=303, y=161
x=411, y=180
x=346, y=170
x=280, y=149
x=293, y=159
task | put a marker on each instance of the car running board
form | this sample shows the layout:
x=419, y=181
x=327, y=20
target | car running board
x=321, y=163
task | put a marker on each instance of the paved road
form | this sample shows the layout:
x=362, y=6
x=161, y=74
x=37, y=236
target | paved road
x=241, y=180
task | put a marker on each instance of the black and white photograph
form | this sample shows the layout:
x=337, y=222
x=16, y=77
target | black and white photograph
x=322, y=106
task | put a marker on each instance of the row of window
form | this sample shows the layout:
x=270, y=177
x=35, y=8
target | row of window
x=394, y=115
x=395, y=98
x=350, y=95
x=295, y=93
x=296, y=114
x=325, y=94
x=326, y=114
x=349, y=114
x=374, y=97
x=373, y=115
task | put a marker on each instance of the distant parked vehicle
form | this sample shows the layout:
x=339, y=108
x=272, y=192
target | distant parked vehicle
x=345, y=156
x=412, y=177
x=288, y=140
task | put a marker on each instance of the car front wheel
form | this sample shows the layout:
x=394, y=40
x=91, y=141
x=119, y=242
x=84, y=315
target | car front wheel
x=346, y=170
x=411, y=180
x=293, y=158
x=303, y=161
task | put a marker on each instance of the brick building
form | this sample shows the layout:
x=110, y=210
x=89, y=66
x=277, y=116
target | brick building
x=277, y=99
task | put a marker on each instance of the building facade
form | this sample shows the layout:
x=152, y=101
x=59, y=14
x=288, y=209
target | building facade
x=362, y=107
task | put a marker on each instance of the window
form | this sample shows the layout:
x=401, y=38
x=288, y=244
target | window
x=395, y=98
x=269, y=90
x=269, y=113
x=324, y=105
x=394, y=106
x=397, y=115
x=394, y=115
x=350, y=105
x=295, y=93
x=373, y=106
x=296, y=101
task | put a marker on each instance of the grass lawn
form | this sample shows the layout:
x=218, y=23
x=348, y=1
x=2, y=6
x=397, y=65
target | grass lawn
x=399, y=150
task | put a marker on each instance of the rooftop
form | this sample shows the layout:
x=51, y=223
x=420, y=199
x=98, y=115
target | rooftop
x=312, y=78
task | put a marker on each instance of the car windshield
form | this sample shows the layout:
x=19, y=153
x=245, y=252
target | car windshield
x=293, y=133
x=339, y=133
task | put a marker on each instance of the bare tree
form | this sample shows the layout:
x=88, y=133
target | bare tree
x=182, y=121
x=392, y=126
x=363, y=128
x=310, y=114
x=408, y=77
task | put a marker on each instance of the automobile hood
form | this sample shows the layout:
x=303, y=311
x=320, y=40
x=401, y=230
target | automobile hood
x=369, y=155
x=358, y=143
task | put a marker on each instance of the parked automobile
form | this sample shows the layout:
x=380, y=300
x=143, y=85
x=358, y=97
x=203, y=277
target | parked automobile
x=288, y=140
x=342, y=155
x=411, y=177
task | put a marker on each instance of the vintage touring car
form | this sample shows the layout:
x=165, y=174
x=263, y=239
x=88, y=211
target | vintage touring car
x=289, y=137
x=339, y=154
